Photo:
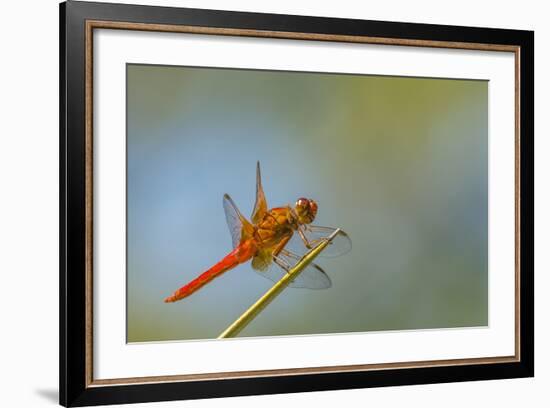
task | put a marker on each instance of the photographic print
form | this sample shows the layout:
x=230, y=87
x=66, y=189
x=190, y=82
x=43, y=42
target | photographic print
x=234, y=174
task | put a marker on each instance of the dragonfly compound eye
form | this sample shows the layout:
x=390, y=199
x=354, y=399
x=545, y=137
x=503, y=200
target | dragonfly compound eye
x=302, y=203
x=313, y=207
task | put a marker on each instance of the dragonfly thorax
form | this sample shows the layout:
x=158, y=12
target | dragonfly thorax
x=275, y=225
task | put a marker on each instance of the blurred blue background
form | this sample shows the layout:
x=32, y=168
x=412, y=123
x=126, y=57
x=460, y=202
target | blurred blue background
x=399, y=163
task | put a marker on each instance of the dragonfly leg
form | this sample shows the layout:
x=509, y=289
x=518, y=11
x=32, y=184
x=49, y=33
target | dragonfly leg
x=304, y=238
x=281, y=262
x=281, y=245
x=290, y=254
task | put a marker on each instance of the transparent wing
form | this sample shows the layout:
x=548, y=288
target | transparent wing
x=262, y=260
x=312, y=277
x=239, y=227
x=260, y=207
x=340, y=245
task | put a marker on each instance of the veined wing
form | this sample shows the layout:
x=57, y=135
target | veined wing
x=239, y=227
x=260, y=207
x=313, y=234
x=312, y=277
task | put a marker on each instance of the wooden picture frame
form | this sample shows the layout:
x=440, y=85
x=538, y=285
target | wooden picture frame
x=78, y=20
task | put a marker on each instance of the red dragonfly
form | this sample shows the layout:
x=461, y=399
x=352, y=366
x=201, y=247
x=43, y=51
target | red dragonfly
x=268, y=239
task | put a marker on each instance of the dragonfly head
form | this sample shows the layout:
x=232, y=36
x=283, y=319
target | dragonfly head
x=306, y=209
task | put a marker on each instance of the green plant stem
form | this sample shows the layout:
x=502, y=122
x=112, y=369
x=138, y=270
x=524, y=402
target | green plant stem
x=238, y=325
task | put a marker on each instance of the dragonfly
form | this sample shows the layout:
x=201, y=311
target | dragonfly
x=274, y=240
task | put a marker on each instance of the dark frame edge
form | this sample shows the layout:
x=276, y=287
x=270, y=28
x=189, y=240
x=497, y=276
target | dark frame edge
x=527, y=195
x=140, y=393
x=72, y=300
x=62, y=207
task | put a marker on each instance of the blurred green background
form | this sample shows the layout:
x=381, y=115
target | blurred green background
x=399, y=163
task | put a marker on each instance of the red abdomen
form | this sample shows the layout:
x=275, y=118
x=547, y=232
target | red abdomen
x=241, y=254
